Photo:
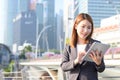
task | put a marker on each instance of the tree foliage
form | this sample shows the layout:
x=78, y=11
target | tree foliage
x=25, y=50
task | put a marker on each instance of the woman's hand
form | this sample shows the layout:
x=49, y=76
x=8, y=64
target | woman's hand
x=79, y=57
x=96, y=56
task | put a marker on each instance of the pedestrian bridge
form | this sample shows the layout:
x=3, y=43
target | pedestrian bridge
x=44, y=69
x=50, y=69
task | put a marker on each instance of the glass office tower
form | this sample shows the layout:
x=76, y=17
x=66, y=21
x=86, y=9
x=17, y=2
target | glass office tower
x=49, y=35
x=99, y=9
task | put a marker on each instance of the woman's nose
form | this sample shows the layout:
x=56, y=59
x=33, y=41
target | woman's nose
x=85, y=30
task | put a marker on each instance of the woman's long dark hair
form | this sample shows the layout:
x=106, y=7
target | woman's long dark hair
x=79, y=18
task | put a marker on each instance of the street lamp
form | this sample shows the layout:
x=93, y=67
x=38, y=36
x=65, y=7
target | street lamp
x=38, y=38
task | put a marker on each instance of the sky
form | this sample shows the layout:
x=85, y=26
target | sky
x=58, y=5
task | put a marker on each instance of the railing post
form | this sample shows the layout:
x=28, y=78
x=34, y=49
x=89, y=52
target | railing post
x=60, y=74
x=1, y=74
x=24, y=73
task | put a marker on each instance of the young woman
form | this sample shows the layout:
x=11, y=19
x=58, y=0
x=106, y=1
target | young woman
x=72, y=59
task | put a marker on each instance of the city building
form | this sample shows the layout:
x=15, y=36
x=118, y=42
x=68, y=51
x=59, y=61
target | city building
x=11, y=13
x=71, y=10
x=48, y=39
x=76, y=8
x=50, y=20
x=60, y=31
x=3, y=20
x=99, y=9
x=24, y=22
x=9, y=10
x=109, y=31
x=25, y=28
x=22, y=8
x=39, y=14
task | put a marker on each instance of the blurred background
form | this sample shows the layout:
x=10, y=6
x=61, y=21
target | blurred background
x=40, y=29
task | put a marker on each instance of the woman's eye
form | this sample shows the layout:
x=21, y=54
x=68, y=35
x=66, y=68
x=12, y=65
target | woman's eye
x=83, y=26
x=89, y=27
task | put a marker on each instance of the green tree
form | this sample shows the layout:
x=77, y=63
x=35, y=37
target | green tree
x=25, y=50
x=9, y=68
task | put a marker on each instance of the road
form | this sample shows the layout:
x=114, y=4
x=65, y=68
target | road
x=110, y=73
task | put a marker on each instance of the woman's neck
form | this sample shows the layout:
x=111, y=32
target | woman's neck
x=82, y=41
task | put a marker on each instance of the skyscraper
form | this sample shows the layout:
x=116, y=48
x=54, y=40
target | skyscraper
x=59, y=31
x=25, y=28
x=11, y=12
x=48, y=36
x=8, y=11
x=76, y=8
x=3, y=20
x=99, y=9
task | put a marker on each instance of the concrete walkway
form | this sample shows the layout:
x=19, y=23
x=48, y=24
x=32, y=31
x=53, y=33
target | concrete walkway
x=112, y=62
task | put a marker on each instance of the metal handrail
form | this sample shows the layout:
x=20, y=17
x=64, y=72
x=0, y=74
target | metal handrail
x=24, y=75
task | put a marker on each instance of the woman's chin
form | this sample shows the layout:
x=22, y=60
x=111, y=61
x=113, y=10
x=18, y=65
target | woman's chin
x=83, y=38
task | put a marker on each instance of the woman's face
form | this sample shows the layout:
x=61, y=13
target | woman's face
x=84, y=28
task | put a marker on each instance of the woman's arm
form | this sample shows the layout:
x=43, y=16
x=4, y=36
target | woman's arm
x=67, y=64
x=101, y=67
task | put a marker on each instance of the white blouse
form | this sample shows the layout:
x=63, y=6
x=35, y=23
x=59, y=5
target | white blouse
x=81, y=47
